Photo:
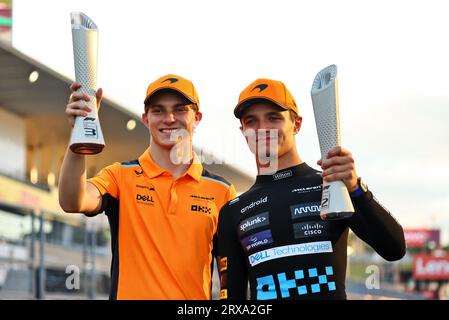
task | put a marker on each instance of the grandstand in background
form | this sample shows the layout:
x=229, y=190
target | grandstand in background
x=40, y=245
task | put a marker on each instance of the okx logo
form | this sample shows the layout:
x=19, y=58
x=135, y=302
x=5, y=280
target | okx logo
x=202, y=209
x=303, y=281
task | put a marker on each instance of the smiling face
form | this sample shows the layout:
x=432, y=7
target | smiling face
x=170, y=117
x=273, y=127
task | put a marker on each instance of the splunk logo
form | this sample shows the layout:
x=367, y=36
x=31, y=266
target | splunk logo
x=254, y=204
x=305, y=209
x=290, y=250
x=253, y=222
x=269, y=286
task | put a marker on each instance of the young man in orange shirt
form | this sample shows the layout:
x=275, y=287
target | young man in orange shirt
x=162, y=207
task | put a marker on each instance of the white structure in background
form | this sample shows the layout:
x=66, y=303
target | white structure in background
x=12, y=140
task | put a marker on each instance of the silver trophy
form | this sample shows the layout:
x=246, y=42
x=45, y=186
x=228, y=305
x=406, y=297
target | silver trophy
x=335, y=200
x=87, y=137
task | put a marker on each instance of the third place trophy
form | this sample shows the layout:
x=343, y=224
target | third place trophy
x=87, y=137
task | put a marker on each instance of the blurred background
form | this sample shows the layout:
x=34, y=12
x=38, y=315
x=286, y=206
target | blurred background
x=393, y=91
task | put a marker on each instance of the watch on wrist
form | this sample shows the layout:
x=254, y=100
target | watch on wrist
x=361, y=188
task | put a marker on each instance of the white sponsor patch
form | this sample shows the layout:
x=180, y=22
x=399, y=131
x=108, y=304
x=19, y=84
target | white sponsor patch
x=290, y=250
x=254, y=204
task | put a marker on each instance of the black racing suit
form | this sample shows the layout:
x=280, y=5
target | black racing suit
x=273, y=236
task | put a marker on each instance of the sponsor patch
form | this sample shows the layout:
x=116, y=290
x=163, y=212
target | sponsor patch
x=223, y=264
x=257, y=240
x=305, y=210
x=203, y=209
x=224, y=294
x=254, y=204
x=144, y=199
x=195, y=196
x=149, y=187
x=307, y=189
x=309, y=229
x=289, y=251
x=259, y=220
x=282, y=175
x=301, y=282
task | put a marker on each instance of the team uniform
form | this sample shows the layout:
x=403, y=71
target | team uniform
x=163, y=230
x=273, y=237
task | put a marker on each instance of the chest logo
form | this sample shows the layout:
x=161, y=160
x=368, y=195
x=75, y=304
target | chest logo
x=203, y=209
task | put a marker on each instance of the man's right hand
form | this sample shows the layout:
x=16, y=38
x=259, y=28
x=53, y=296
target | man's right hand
x=76, y=106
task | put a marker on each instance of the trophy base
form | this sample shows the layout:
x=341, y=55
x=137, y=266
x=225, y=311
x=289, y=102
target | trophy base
x=336, y=215
x=86, y=148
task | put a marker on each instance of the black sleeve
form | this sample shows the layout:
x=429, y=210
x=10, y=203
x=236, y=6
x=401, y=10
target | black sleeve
x=233, y=273
x=376, y=226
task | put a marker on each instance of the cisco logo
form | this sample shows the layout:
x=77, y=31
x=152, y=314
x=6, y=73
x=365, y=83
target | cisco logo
x=307, y=229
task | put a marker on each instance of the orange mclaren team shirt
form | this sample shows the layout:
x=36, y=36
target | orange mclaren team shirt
x=162, y=230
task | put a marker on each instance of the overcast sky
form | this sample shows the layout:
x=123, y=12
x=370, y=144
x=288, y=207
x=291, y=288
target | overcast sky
x=393, y=70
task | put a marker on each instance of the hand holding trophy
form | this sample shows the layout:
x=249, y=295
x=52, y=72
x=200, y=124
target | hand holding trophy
x=335, y=200
x=87, y=137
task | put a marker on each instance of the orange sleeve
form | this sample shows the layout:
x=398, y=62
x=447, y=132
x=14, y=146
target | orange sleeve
x=107, y=180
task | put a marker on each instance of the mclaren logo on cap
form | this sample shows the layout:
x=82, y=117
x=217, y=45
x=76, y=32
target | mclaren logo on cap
x=261, y=87
x=172, y=80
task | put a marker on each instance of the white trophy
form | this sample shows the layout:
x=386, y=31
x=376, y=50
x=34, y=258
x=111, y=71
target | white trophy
x=335, y=200
x=87, y=137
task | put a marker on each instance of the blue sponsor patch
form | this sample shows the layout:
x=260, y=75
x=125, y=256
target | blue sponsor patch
x=257, y=239
x=296, y=285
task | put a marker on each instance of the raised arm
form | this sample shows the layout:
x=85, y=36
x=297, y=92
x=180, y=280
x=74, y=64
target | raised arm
x=75, y=193
x=371, y=222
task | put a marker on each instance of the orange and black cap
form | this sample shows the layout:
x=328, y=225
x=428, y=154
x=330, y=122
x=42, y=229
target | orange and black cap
x=176, y=83
x=266, y=89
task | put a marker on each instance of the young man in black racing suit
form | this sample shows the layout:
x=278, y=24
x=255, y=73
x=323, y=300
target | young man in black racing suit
x=272, y=235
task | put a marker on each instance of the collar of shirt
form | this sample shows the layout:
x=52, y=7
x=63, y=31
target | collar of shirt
x=298, y=170
x=153, y=170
